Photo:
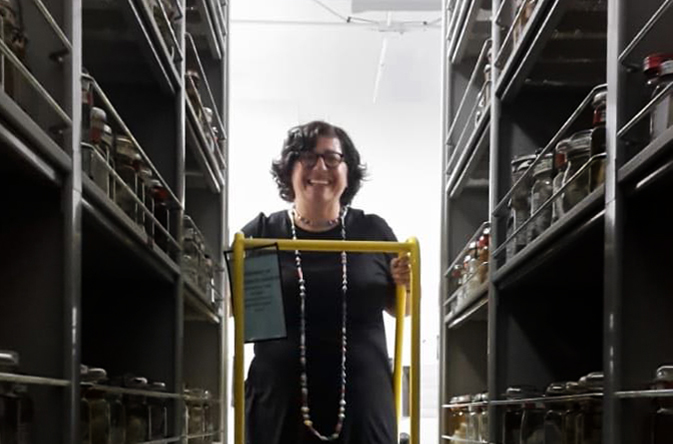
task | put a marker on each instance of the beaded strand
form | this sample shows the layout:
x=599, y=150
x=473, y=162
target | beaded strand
x=305, y=410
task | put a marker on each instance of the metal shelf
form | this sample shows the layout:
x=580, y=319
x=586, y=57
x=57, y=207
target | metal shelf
x=505, y=60
x=646, y=157
x=548, y=399
x=201, y=400
x=465, y=405
x=643, y=394
x=470, y=84
x=221, y=22
x=170, y=61
x=33, y=380
x=125, y=231
x=202, y=308
x=33, y=134
x=458, y=161
x=463, y=441
x=563, y=46
x=136, y=392
x=592, y=265
x=474, y=171
x=202, y=23
x=548, y=148
x=118, y=45
x=89, y=251
x=201, y=436
x=163, y=441
x=458, y=13
x=640, y=116
x=644, y=31
x=461, y=255
x=562, y=233
x=11, y=143
x=473, y=31
x=205, y=159
x=471, y=310
x=127, y=132
x=56, y=29
x=217, y=117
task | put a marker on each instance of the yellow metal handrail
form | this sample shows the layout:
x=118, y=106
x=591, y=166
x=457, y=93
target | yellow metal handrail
x=410, y=247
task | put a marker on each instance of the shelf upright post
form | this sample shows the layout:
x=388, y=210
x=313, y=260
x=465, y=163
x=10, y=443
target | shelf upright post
x=493, y=197
x=224, y=241
x=614, y=221
x=72, y=204
x=444, y=259
x=180, y=192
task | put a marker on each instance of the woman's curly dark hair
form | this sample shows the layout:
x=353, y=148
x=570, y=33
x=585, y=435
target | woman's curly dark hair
x=303, y=138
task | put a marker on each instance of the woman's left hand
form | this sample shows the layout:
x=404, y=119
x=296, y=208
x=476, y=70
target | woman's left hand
x=400, y=268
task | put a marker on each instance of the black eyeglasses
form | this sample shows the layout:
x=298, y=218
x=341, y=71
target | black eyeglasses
x=332, y=159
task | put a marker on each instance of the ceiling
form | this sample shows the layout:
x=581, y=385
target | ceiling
x=305, y=51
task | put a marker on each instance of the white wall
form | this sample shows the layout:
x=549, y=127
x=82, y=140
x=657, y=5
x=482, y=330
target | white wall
x=398, y=137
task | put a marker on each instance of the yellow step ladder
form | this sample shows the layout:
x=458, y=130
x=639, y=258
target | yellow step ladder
x=410, y=247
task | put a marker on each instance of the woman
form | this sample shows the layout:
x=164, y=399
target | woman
x=330, y=379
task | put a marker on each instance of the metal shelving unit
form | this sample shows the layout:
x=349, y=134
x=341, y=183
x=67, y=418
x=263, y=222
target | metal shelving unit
x=85, y=282
x=590, y=292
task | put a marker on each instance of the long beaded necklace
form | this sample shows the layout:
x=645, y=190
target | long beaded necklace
x=305, y=410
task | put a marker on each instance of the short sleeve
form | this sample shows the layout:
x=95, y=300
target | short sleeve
x=382, y=229
x=257, y=227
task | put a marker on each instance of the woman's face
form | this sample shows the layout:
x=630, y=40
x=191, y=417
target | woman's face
x=320, y=176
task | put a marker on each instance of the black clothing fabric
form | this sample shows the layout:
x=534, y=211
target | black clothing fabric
x=272, y=390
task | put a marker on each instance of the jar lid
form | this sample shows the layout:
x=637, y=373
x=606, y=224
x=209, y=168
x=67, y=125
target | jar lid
x=653, y=62
x=574, y=388
x=463, y=399
x=556, y=389
x=666, y=68
x=580, y=142
x=521, y=162
x=522, y=391
x=563, y=145
x=664, y=373
x=600, y=98
x=544, y=165
x=94, y=375
x=135, y=382
x=158, y=386
x=124, y=147
x=196, y=392
x=9, y=358
x=593, y=381
x=98, y=114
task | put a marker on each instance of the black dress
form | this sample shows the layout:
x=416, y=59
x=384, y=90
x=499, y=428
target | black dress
x=272, y=389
